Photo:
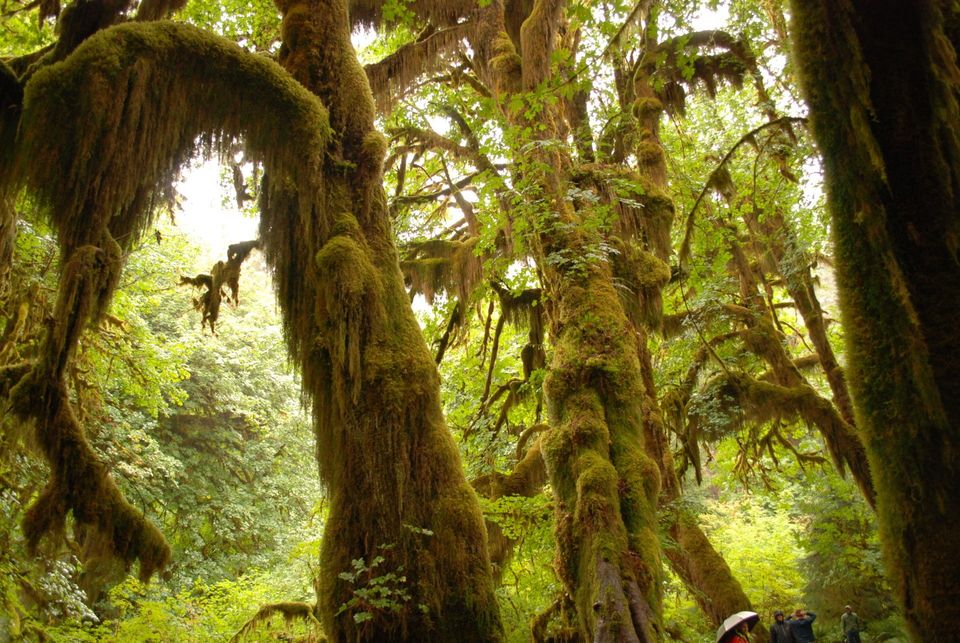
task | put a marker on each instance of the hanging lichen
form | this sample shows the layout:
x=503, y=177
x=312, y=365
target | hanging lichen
x=223, y=275
x=390, y=76
x=439, y=265
x=101, y=138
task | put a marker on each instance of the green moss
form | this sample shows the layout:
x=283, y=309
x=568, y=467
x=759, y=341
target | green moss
x=648, y=152
x=374, y=150
x=506, y=65
x=647, y=108
x=139, y=96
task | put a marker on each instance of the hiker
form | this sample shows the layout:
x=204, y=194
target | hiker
x=801, y=624
x=780, y=631
x=851, y=625
x=741, y=634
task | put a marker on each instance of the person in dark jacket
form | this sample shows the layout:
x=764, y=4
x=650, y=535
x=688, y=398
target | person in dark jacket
x=801, y=624
x=780, y=630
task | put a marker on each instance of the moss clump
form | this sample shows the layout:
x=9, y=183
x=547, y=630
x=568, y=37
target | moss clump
x=647, y=107
x=648, y=152
x=140, y=96
x=506, y=65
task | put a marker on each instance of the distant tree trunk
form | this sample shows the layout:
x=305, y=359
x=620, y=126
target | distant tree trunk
x=882, y=82
x=396, y=486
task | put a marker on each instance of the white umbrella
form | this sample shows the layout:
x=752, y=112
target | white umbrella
x=733, y=621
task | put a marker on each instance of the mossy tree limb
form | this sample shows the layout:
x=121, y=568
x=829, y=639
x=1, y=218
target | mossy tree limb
x=886, y=119
x=133, y=97
x=763, y=339
x=526, y=480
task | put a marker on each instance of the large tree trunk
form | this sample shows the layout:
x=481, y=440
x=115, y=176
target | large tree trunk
x=606, y=486
x=881, y=80
x=397, y=491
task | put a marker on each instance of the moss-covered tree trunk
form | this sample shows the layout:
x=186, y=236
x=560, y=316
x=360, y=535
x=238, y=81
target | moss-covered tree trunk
x=399, y=499
x=882, y=83
x=606, y=487
x=605, y=483
x=691, y=555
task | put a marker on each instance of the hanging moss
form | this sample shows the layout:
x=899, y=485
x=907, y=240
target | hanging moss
x=289, y=610
x=642, y=277
x=439, y=265
x=140, y=96
x=158, y=9
x=391, y=76
x=101, y=137
x=369, y=13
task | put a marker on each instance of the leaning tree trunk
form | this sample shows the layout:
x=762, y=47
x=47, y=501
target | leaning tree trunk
x=397, y=491
x=882, y=83
x=692, y=556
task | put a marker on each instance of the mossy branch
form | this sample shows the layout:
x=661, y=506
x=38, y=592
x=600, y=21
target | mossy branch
x=749, y=137
x=391, y=76
x=101, y=137
x=289, y=610
x=142, y=96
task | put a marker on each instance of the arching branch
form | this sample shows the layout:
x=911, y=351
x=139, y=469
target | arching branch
x=749, y=137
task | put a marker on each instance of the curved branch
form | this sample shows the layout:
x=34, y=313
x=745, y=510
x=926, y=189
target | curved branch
x=289, y=610
x=749, y=137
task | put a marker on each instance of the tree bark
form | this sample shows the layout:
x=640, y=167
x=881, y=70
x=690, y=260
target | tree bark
x=396, y=486
x=882, y=82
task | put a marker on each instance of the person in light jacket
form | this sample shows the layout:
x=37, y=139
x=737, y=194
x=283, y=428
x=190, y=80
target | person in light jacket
x=851, y=625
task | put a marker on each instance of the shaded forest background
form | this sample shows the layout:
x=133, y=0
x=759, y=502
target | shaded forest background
x=661, y=166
